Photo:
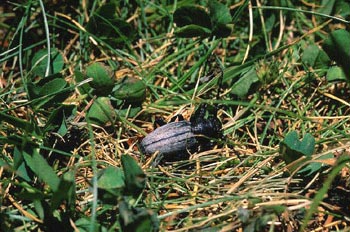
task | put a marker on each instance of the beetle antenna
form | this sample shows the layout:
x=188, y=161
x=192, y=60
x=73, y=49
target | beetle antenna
x=213, y=58
x=220, y=83
x=218, y=69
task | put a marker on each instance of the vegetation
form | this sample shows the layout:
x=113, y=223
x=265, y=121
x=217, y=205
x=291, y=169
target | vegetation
x=82, y=82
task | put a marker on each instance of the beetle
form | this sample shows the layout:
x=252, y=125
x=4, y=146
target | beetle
x=179, y=138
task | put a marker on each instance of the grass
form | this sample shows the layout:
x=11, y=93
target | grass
x=52, y=156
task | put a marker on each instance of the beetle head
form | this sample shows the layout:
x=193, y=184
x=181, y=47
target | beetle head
x=210, y=127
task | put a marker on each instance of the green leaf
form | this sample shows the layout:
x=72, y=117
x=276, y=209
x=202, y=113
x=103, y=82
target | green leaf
x=106, y=25
x=223, y=30
x=111, y=185
x=193, y=21
x=34, y=88
x=121, y=33
x=314, y=57
x=17, y=122
x=41, y=168
x=39, y=62
x=107, y=10
x=101, y=112
x=65, y=191
x=111, y=178
x=220, y=16
x=79, y=77
x=244, y=84
x=20, y=140
x=192, y=15
x=53, y=86
x=39, y=208
x=133, y=219
x=102, y=78
x=57, y=120
x=129, y=111
x=337, y=46
x=313, y=167
x=19, y=165
x=291, y=148
x=233, y=73
x=219, y=13
x=135, y=178
x=130, y=89
x=342, y=8
x=30, y=193
x=270, y=23
x=192, y=30
x=327, y=7
x=96, y=23
x=48, y=92
x=54, y=91
x=335, y=74
x=63, y=129
x=84, y=225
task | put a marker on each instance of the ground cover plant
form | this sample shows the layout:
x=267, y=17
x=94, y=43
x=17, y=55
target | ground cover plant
x=83, y=82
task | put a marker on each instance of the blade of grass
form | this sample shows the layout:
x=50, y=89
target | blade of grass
x=321, y=193
x=47, y=34
x=20, y=54
x=303, y=11
x=93, y=217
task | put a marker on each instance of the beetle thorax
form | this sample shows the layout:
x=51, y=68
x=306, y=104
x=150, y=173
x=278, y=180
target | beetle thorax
x=209, y=128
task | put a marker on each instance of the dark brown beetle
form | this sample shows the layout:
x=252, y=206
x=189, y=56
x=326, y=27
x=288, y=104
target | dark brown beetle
x=175, y=140
x=179, y=138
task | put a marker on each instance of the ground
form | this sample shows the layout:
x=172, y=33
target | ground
x=277, y=75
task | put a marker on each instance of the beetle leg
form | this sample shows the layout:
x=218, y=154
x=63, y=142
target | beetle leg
x=157, y=160
x=220, y=83
x=158, y=122
x=216, y=125
x=179, y=118
x=199, y=114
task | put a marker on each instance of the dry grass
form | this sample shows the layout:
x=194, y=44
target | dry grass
x=242, y=184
